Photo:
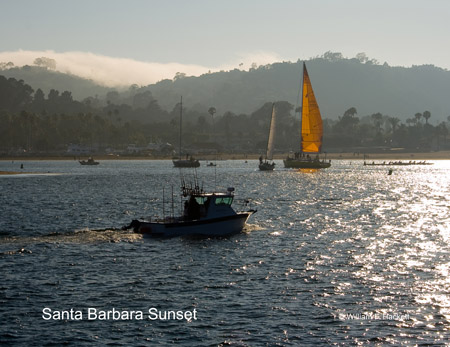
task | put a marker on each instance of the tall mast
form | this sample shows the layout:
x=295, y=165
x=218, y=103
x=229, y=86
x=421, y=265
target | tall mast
x=301, y=113
x=181, y=116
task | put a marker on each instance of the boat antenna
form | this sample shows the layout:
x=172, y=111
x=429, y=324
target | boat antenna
x=173, y=214
x=215, y=178
x=196, y=187
x=212, y=111
x=164, y=212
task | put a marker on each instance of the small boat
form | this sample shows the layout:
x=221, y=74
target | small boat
x=311, y=132
x=211, y=164
x=189, y=161
x=267, y=164
x=205, y=215
x=90, y=161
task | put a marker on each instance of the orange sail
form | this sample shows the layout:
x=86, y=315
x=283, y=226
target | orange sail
x=312, y=129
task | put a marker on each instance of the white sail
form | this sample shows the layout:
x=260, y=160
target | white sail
x=270, y=143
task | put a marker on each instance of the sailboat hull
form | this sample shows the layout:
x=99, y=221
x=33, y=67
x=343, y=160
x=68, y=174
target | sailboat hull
x=266, y=166
x=290, y=163
x=186, y=163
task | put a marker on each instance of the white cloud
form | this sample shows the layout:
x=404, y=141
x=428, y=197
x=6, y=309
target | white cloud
x=105, y=70
x=110, y=71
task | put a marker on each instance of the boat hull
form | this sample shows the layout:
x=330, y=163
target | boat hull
x=87, y=163
x=266, y=166
x=213, y=227
x=305, y=164
x=186, y=163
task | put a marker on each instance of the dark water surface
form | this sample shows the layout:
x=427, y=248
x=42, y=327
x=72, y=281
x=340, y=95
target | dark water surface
x=344, y=256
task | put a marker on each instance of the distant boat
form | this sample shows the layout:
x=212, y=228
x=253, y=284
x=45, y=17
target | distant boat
x=90, y=161
x=205, y=215
x=267, y=164
x=189, y=161
x=311, y=132
x=397, y=163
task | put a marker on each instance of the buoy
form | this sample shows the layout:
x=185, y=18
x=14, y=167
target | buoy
x=390, y=172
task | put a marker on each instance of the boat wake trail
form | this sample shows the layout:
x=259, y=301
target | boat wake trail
x=252, y=227
x=83, y=236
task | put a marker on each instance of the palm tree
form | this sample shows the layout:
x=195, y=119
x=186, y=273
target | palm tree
x=441, y=132
x=211, y=111
x=418, y=116
x=426, y=115
x=377, y=119
x=394, y=123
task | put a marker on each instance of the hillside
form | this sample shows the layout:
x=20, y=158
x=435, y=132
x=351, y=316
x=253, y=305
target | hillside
x=339, y=85
x=45, y=79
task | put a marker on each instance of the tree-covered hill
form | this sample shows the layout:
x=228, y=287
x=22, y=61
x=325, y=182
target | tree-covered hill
x=32, y=122
x=47, y=79
x=339, y=84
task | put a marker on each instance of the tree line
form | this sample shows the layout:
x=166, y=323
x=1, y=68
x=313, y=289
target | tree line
x=32, y=122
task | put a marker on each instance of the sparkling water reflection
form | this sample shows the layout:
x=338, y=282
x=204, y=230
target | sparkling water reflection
x=347, y=255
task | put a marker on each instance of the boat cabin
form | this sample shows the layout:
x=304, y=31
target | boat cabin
x=208, y=205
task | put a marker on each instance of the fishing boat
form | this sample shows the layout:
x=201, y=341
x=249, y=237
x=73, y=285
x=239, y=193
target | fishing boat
x=267, y=164
x=311, y=132
x=189, y=161
x=205, y=215
x=90, y=161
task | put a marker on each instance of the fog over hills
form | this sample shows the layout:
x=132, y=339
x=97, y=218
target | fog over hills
x=339, y=84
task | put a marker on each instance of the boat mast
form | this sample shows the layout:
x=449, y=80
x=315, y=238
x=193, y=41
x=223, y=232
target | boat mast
x=301, y=113
x=181, y=116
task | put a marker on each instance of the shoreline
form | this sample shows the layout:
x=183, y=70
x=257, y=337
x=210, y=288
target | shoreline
x=391, y=156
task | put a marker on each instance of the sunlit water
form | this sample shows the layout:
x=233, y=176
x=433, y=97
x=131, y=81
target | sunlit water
x=347, y=255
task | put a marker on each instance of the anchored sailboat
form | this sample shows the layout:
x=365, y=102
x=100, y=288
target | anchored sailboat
x=311, y=131
x=189, y=161
x=266, y=165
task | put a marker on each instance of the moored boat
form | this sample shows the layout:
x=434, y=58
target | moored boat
x=205, y=214
x=90, y=161
x=268, y=164
x=189, y=161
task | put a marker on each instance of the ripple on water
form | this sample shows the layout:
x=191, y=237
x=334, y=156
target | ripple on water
x=348, y=255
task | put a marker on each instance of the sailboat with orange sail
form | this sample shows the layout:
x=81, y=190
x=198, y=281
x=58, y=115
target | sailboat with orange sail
x=311, y=132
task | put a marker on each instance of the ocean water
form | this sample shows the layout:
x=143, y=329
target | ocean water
x=345, y=256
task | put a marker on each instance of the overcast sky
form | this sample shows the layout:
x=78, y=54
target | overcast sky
x=143, y=41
